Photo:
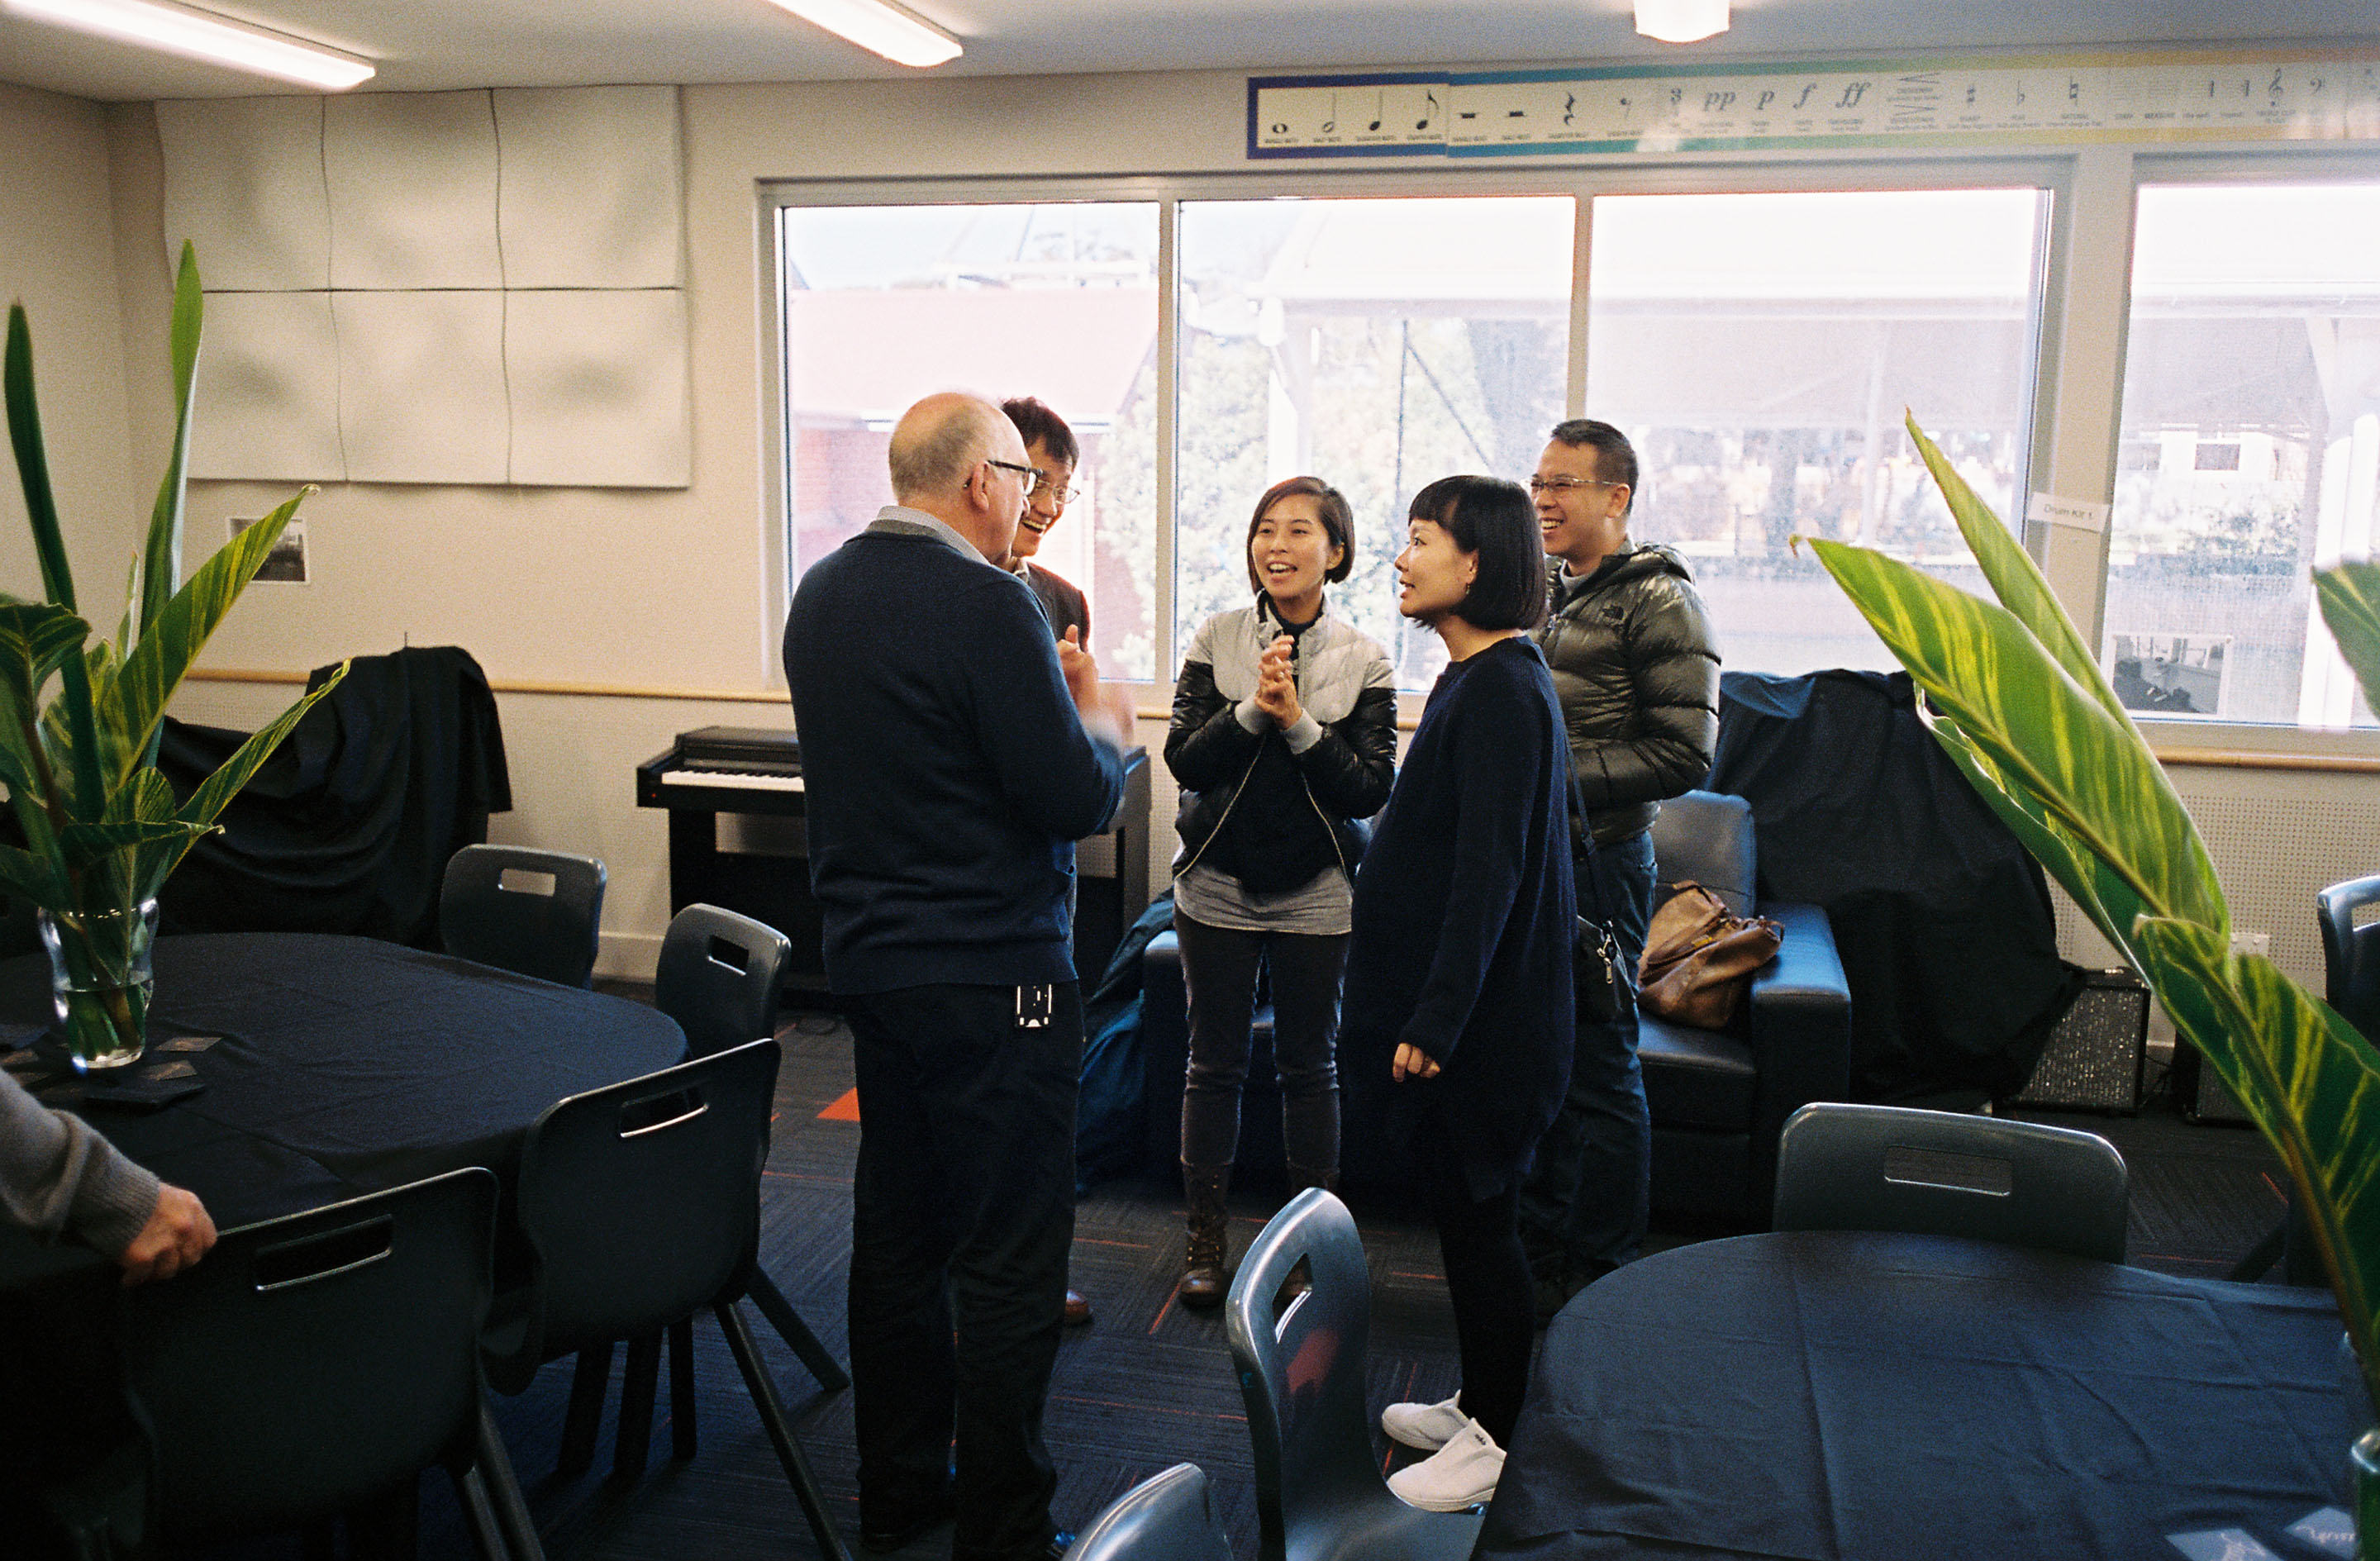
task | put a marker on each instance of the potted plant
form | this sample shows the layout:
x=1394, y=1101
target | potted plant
x=81, y=715
x=2016, y=700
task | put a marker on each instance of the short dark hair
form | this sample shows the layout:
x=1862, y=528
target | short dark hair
x=1615, y=458
x=1495, y=520
x=1036, y=421
x=1337, y=519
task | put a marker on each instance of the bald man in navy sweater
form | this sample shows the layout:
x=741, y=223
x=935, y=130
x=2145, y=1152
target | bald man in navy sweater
x=951, y=755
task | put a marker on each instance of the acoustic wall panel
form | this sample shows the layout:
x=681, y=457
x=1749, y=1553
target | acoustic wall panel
x=269, y=390
x=244, y=183
x=421, y=386
x=591, y=186
x=597, y=386
x=412, y=180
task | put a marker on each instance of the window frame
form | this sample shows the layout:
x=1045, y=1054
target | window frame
x=2080, y=312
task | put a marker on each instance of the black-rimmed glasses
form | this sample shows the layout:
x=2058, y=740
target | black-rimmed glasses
x=1032, y=475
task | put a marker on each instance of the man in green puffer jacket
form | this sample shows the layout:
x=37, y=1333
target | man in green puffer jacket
x=1634, y=665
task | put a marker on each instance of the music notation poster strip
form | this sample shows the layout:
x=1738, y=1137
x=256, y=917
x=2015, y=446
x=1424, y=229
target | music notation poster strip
x=1752, y=107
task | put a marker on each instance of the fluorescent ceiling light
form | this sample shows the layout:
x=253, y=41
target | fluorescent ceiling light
x=1681, y=21
x=880, y=27
x=179, y=29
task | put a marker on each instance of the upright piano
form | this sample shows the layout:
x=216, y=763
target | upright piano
x=737, y=813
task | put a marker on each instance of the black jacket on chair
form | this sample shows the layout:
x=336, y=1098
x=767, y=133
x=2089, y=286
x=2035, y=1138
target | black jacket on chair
x=348, y=826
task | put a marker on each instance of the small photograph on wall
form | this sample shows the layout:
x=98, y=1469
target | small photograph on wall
x=2170, y=674
x=285, y=564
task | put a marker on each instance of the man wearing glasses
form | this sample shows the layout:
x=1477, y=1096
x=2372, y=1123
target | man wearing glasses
x=953, y=753
x=1631, y=652
x=1052, y=452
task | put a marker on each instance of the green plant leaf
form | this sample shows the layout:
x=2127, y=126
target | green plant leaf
x=2312, y=1082
x=36, y=639
x=83, y=843
x=161, y=560
x=2096, y=890
x=2014, y=577
x=33, y=878
x=215, y=792
x=2350, y=605
x=2044, y=732
x=33, y=465
x=164, y=652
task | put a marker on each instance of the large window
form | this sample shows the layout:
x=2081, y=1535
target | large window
x=1759, y=350
x=2250, y=452
x=883, y=305
x=1378, y=344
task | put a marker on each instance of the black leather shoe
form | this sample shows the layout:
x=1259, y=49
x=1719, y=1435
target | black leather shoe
x=881, y=1542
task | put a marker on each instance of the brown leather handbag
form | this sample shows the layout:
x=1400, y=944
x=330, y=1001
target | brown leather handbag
x=1699, y=957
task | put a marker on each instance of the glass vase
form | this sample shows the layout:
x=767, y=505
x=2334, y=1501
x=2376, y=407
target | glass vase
x=100, y=982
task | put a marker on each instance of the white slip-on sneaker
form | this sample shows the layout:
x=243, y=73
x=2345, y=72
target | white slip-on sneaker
x=1426, y=1426
x=1463, y=1473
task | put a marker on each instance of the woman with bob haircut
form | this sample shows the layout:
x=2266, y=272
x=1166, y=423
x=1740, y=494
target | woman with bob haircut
x=1283, y=735
x=1458, y=967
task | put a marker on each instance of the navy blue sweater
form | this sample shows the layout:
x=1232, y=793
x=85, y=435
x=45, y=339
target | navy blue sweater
x=947, y=773
x=1464, y=915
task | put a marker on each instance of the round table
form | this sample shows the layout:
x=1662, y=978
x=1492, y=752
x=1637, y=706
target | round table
x=1853, y=1396
x=346, y=1065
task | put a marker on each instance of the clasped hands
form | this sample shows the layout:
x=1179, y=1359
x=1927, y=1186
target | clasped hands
x=1277, y=683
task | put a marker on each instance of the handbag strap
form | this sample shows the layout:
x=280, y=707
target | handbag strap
x=1602, y=916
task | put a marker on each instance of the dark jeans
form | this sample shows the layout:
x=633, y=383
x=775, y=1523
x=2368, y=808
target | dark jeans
x=1487, y=1279
x=1219, y=966
x=963, y=1210
x=1587, y=1198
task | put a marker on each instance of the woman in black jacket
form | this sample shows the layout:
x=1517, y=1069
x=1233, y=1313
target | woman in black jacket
x=1459, y=968
x=1283, y=735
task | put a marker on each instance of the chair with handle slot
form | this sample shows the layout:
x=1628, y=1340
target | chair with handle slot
x=721, y=976
x=533, y=913
x=1167, y=1517
x=1300, y=1357
x=311, y=1365
x=1843, y=1167
x=639, y=1203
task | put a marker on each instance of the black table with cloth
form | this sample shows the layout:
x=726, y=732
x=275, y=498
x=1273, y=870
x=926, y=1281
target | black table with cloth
x=349, y=1065
x=1858, y=1396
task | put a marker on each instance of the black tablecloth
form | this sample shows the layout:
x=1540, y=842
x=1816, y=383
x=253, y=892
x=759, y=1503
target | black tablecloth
x=349, y=1065
x=1881, y=1397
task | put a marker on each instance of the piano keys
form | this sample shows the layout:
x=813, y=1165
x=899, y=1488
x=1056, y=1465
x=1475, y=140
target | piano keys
x=735, y=801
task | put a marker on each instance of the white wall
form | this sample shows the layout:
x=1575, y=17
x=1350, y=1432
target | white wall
x=57, y=258
x=674, y=591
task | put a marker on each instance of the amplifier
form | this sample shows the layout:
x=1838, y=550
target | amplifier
x=2098, y=1052
x=2206, y=1096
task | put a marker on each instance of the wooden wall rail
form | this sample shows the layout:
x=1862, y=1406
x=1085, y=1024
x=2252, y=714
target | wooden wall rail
x=2223, y=758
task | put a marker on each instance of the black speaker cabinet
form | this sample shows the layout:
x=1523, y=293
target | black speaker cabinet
x=2098, y=1052
x=2205, y=1096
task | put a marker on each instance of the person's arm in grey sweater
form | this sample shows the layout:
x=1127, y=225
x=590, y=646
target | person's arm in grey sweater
x=57, y=1175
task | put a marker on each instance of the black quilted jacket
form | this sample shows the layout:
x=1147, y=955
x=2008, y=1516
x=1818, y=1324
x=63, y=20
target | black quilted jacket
x=1634, y=662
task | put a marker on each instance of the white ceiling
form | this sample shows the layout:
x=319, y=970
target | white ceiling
x=432, y=44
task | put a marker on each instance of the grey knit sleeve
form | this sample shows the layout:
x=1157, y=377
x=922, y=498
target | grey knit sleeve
x=57, y=1174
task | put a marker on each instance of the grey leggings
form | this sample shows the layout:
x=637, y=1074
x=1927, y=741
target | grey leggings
x=1219, y=965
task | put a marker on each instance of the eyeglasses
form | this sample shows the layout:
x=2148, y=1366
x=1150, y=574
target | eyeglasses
x=1060, y=493
x=1564, y=484
x=1032, y=475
